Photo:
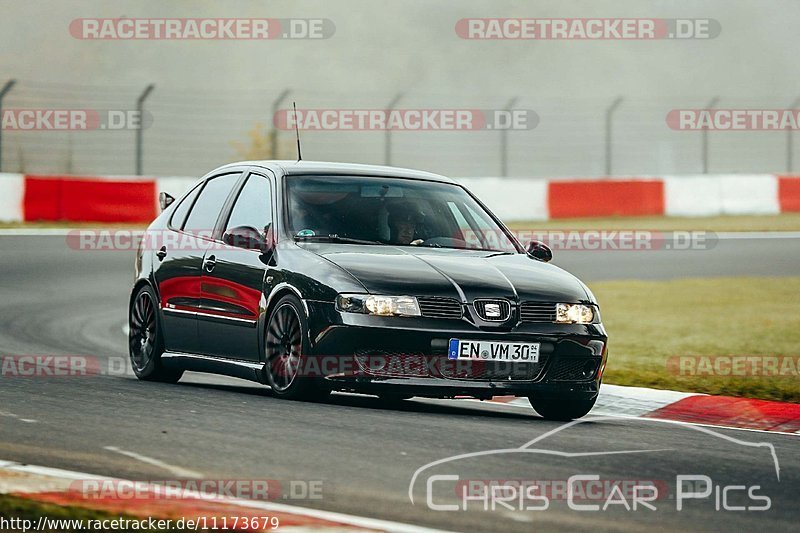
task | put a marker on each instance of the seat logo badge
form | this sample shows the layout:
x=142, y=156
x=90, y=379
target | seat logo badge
x=492, y=310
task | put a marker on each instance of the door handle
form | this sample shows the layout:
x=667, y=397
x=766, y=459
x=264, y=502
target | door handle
x=209, y=263
x=162, y=253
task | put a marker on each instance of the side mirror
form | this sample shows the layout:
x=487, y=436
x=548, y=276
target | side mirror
x=539, y=250
x=248, y=238
x=165, y=200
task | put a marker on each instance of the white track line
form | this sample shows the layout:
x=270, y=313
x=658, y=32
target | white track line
x=176, y=470
x=6, y=414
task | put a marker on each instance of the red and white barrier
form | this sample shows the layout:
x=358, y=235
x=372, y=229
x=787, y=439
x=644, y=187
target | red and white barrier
x=721, y=195
x=705, y=409
x=789, y=194
x=517, y=199
x=78, y=199
x=135, y=199
x=12, y=191
x=598, y=198
x=692, y=195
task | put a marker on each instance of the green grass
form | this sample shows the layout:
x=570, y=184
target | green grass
x=650, y=321
x=783, y=222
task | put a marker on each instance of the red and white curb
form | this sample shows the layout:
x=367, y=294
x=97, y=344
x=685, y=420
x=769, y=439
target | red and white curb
x=51, y=485
x=134, y=199
x=692, y=408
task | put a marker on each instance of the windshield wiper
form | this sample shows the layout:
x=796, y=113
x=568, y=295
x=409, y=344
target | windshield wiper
x=332, y=238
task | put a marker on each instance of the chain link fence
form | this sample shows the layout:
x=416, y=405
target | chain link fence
x=190, y=130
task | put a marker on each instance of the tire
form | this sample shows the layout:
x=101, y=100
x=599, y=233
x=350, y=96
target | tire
x=146, y=341
x=285, y=342
x=562, y=409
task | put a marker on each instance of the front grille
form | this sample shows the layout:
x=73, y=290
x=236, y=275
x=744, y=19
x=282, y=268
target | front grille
x=492, y=370
x=571, y=369
x=440, y=307
x=537, y=312
x=392, y=364
x=493, y=310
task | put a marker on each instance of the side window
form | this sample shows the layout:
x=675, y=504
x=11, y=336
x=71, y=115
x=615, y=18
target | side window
x=253, y=208
x=204, y=214
x=252, y=213
x=179, y=216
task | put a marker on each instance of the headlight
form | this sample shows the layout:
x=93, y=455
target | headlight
x=378, y=305
x=576, y=314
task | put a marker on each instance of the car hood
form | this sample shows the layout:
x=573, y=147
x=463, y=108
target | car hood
x=461, y=274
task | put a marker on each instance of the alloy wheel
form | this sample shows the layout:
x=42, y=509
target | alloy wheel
x=284, y=347
x=142, y=335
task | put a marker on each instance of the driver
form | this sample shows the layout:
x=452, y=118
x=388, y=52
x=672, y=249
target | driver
x=404, y=219
x=308, y=217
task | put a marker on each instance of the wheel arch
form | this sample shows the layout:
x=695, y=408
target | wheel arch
x=137, y=286
x=270, y=301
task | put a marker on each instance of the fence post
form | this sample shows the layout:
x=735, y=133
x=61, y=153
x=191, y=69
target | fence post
x=273, y=132
x=710, y=106
x=7, y=87
x=504, y=140
x=139, y=138
x=789, y=142
x=609, y=113
x=387, y=148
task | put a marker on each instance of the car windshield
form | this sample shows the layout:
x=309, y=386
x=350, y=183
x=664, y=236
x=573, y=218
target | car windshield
x=392, y=211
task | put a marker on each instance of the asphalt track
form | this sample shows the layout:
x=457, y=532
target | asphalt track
x=58, y=301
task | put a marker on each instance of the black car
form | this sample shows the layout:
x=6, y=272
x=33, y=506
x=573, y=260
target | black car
x=311, y=277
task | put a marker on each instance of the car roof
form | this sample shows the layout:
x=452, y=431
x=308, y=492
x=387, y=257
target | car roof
x=344, y=169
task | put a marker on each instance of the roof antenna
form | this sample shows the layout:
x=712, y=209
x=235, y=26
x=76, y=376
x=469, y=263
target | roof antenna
x=297, y=131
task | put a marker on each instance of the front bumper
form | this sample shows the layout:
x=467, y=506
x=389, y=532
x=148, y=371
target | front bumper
x=409, y=356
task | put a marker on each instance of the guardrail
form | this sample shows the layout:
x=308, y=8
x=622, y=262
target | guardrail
x=132, y=199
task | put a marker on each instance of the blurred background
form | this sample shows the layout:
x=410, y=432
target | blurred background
x=602, y=105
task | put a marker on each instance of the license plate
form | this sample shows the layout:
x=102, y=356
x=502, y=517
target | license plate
x=518, y=352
